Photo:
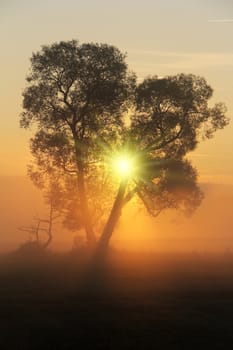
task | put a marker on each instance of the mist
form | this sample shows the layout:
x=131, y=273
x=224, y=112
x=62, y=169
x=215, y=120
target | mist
x=209, y=229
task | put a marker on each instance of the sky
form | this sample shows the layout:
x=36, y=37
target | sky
x=160, y=37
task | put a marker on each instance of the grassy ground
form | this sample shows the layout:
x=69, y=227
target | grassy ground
x=136, y=302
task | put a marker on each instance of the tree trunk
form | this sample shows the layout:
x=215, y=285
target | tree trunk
x=37, y=232
x=112, y=220
x=50, y=222
x=91, y=241
x=90, y=236
x=94, y=281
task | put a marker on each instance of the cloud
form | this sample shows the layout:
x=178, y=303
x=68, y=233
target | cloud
x=222, y=20
x=146, y=61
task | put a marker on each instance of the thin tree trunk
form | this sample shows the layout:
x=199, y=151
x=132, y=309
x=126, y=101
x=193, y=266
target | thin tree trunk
x=50, y=222
x=113, y=219
x=37, y=232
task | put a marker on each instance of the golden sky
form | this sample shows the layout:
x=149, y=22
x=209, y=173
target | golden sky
x=160, y=37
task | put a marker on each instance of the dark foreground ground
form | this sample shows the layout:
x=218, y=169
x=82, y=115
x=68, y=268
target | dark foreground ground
x=137, y=302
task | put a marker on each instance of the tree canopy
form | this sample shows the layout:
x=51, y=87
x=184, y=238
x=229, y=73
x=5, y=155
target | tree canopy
x=90, y=111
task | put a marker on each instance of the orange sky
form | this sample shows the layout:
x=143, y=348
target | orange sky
x=160, y=37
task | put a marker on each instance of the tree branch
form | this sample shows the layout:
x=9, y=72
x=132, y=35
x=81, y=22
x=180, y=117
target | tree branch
x=147, y=206
x=153, y=147
x=129, y=196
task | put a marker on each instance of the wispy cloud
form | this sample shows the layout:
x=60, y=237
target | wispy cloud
x=166, y=62
x=221, y=20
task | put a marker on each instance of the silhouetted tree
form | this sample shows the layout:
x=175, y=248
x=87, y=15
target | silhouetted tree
x=42, y=226
x=33, y=231
x=87, y=107
x=51, y=185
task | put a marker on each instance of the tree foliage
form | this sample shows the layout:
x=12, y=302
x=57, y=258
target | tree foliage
x=87, y=107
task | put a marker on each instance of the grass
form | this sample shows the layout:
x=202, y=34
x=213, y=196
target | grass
x=137, y=301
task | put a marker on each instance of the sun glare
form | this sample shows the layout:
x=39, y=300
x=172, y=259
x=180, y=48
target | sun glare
x=123, y=166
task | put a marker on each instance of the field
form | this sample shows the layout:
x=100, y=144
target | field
x=137, y=301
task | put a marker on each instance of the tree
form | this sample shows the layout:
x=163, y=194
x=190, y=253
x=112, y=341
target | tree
x=97, y=127
x=53, y=200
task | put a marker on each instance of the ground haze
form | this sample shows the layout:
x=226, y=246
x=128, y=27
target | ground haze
x=208, y=230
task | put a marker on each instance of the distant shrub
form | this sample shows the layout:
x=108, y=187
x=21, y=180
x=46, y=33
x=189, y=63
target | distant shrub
x=32, y=249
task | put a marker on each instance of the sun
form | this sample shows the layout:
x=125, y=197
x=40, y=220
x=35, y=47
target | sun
x=123, y=166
